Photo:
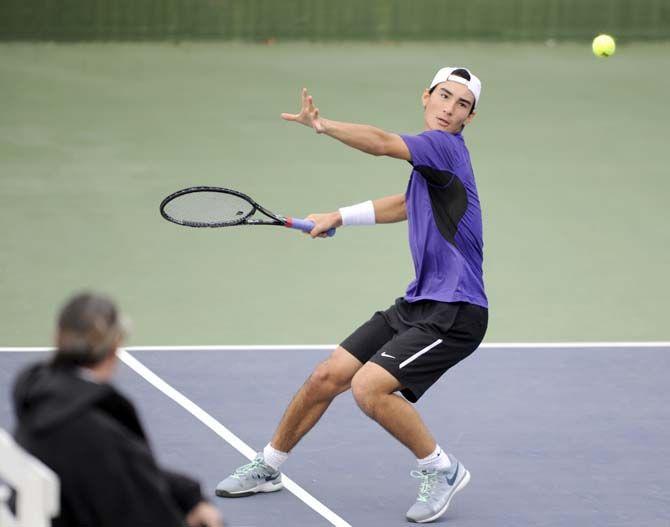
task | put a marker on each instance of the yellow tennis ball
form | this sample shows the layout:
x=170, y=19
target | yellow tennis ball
x=603, y=46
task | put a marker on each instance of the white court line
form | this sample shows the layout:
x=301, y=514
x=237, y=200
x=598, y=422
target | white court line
x=329, y=347
x=226, y=435
x=572, y=345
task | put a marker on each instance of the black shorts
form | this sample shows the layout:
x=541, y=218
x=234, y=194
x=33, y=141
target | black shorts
x=417, y=342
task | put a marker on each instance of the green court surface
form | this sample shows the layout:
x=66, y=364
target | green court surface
x=570, y=153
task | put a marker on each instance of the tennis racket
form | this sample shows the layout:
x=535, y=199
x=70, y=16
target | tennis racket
x=223, y=207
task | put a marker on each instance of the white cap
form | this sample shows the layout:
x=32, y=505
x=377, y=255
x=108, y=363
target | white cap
x=445, y=74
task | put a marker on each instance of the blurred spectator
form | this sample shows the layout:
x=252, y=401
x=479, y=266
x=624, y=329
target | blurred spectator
x=78, y=424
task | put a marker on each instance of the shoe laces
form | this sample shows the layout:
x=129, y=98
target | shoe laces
x=428, y=481
x=257, y=463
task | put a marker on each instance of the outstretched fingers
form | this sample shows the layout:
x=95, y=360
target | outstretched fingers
x=309, y=114
x=304, y=99
x=300, y=117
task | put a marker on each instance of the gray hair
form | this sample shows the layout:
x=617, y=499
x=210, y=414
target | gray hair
x=88, y=330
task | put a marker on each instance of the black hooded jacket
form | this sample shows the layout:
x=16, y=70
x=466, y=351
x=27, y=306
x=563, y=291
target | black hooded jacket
x=90, y=436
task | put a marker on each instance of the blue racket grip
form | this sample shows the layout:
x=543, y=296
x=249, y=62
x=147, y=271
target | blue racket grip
x=305, y=225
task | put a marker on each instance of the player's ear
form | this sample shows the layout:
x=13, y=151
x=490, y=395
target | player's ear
x=424, y=98
x=470, y=117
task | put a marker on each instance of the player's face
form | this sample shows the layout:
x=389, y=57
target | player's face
x=448, y=107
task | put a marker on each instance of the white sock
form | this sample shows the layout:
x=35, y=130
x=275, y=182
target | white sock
x=274, y=457
x=438, y=460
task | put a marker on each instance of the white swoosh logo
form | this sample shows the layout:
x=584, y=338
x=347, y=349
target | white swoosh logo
x=384, y=354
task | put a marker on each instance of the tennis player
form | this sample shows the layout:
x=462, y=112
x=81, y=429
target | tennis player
x=441, y=319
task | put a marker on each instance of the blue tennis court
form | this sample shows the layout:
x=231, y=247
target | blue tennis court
x=553, y=435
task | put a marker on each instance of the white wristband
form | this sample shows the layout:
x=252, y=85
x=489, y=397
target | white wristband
x=360, y=214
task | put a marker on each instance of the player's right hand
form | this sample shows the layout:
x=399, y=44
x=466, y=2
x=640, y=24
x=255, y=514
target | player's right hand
x=309, y=114
x=323, y=223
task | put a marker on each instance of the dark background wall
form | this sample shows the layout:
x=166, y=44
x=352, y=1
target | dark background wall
x=81, y=20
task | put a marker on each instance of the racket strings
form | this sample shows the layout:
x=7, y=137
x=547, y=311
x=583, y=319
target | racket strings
x=208, y=208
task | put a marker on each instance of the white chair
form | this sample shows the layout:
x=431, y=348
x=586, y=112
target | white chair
x=37, y=487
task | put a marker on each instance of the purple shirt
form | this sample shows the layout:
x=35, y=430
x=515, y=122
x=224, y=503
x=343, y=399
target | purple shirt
x=445, y=221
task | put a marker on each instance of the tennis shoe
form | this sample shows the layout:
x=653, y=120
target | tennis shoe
x=436, y=489
x=249, y=479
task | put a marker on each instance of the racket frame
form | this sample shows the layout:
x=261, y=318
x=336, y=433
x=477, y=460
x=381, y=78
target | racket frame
x=276, y=219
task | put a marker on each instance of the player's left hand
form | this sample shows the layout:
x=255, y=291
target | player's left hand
x=323, y=223
x=309, y=114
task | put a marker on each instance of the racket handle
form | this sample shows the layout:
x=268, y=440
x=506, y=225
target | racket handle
x=305, y=225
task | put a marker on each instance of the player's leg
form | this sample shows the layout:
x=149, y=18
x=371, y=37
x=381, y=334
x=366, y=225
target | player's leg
x=329, y=379
x=374, y=389
x=411, y=363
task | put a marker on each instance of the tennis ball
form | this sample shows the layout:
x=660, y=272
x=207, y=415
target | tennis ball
x=603, y=46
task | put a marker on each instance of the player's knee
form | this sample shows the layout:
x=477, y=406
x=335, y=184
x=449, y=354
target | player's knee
x=325, y=382
x=364, y=396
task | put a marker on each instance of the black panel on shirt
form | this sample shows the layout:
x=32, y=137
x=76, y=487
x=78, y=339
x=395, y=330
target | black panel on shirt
x=448, y=199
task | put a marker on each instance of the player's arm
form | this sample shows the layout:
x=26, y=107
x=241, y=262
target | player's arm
x=390, y=209
x=363, y=137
